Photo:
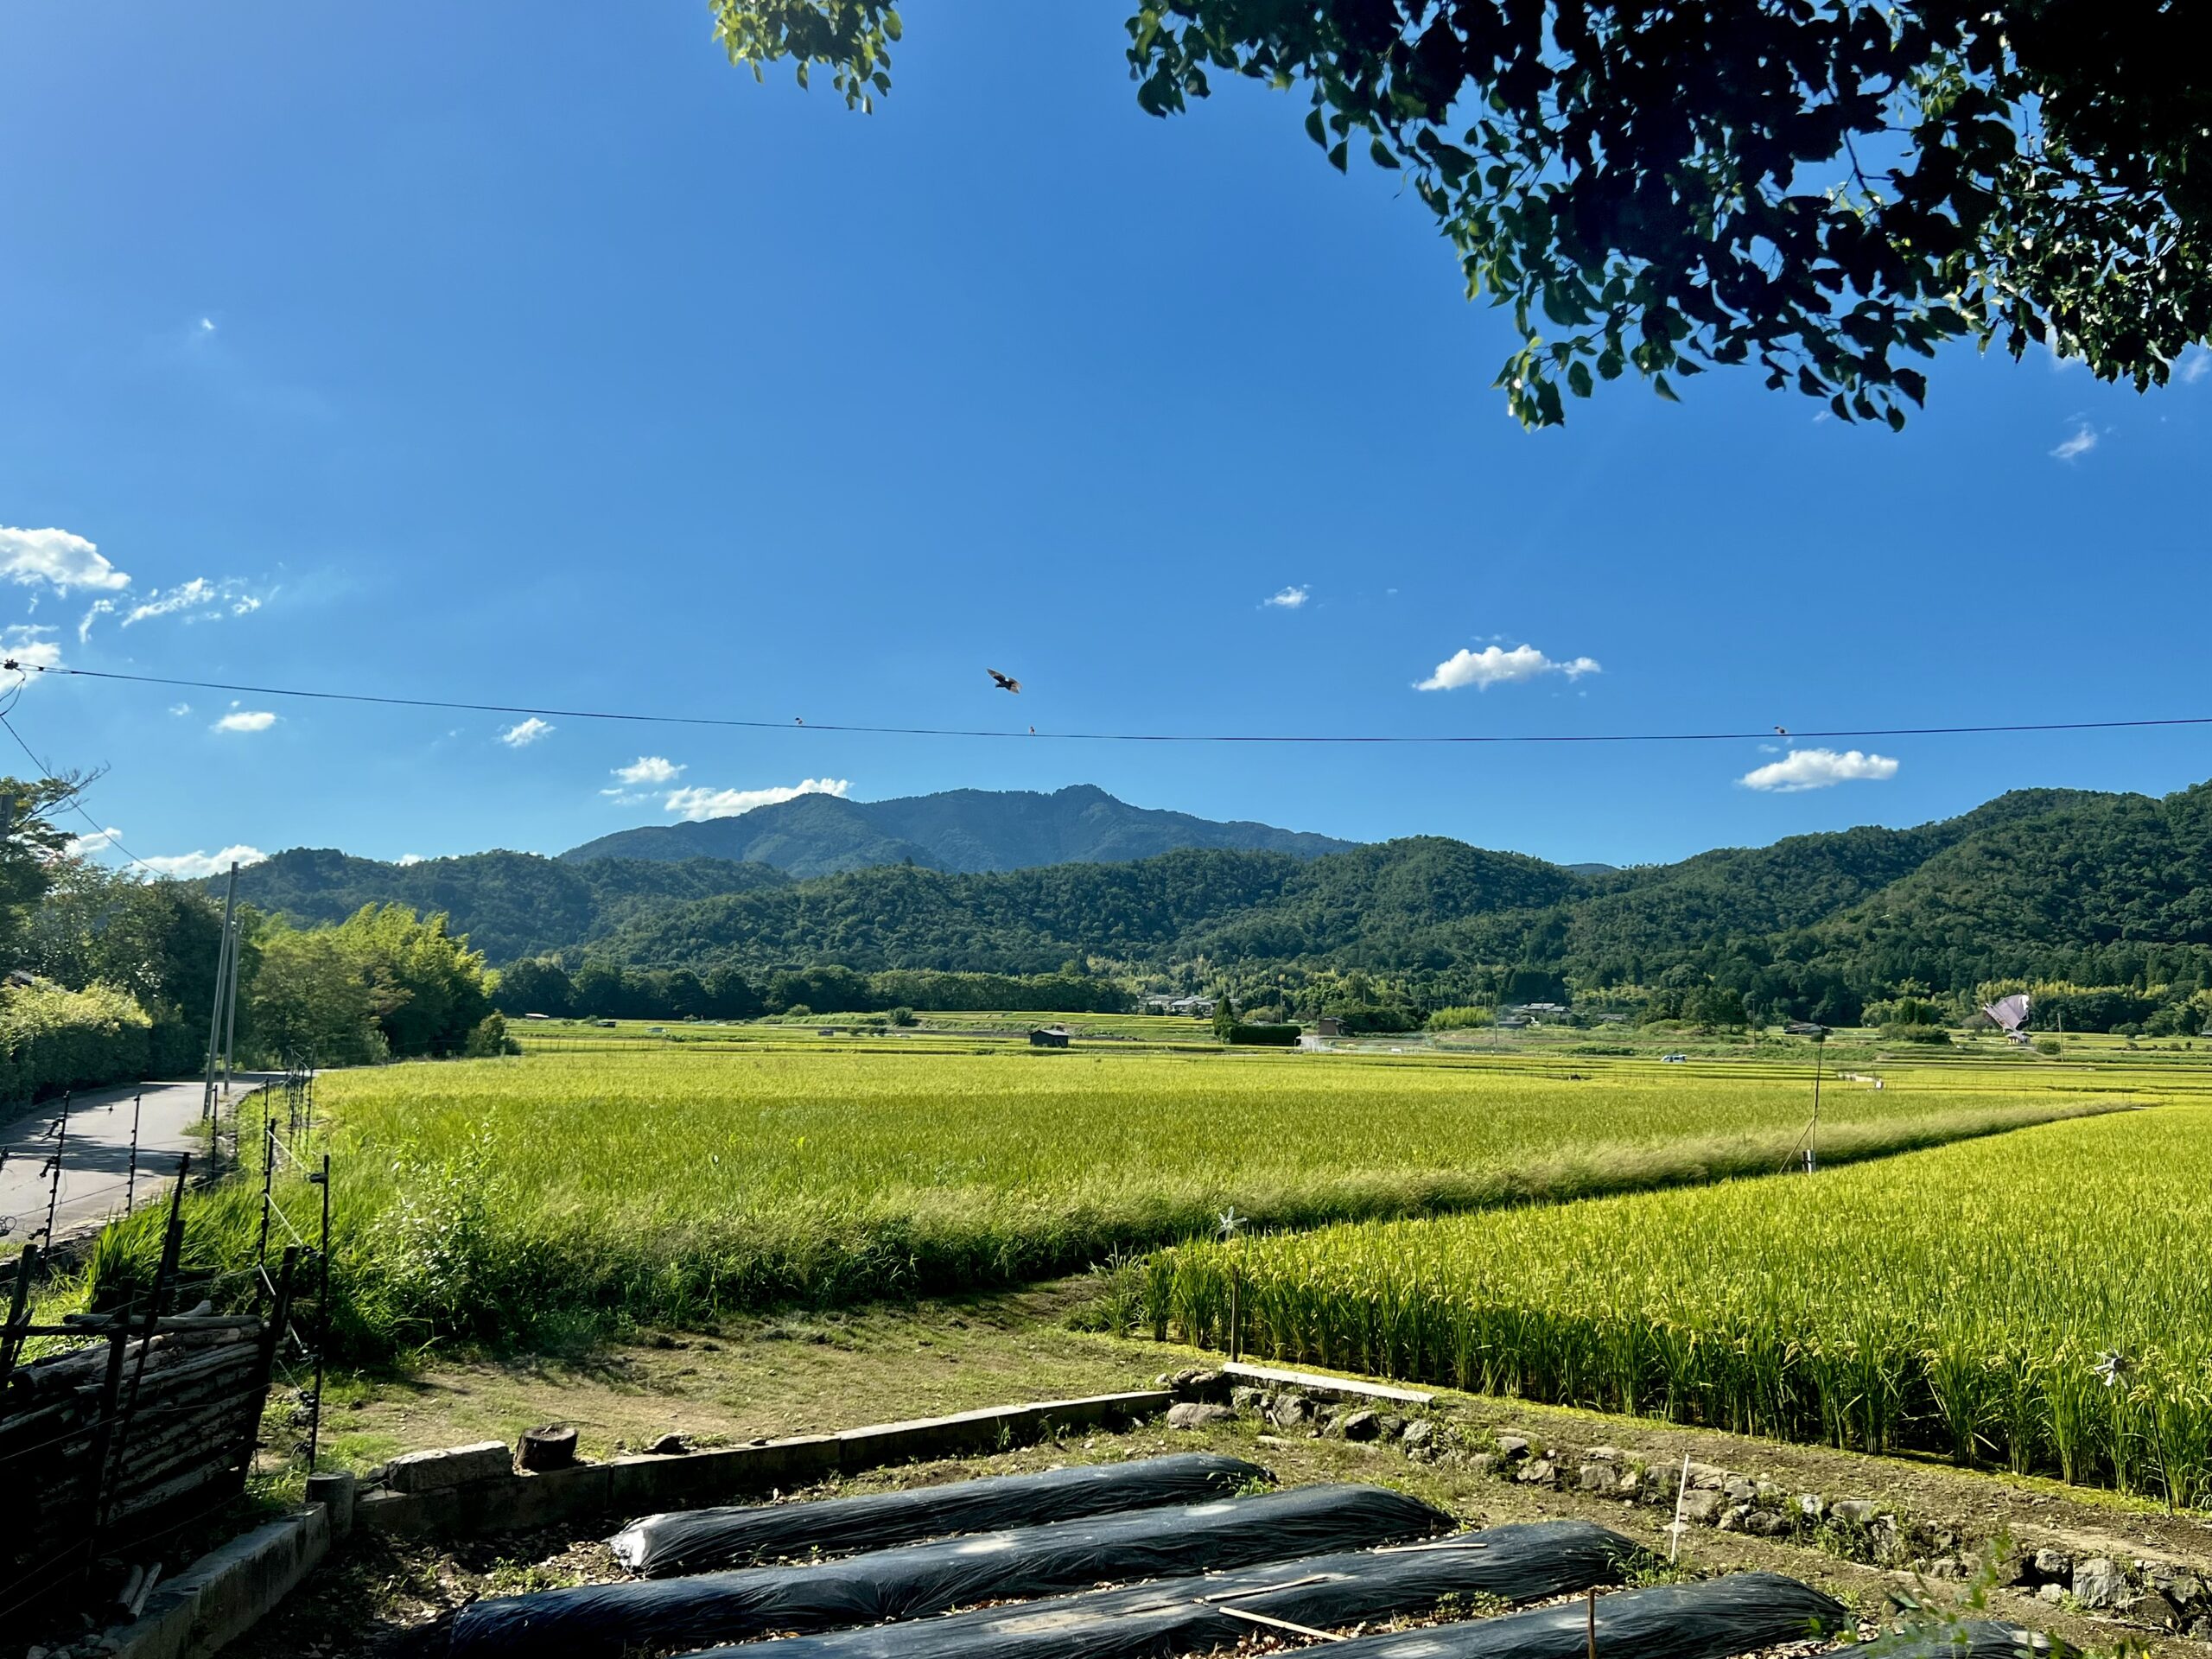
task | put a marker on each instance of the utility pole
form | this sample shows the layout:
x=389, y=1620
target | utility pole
x=231, y=1013
x=215, y=1007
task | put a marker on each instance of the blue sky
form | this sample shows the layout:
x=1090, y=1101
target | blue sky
x=531, y=355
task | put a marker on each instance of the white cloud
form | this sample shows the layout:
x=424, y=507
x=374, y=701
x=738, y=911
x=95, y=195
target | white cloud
x=696, y=803
x=1494, y=665
x=1289, y=599
x=206, y=325
x=2193, y=366
x=245, y=720
x=100, y=607
x=193, y=866
x=2083, y=440
x=1806, y=769
x=31, y=645
x=57, y=559
x=647, y=769
x=98, y=841
x=411, y=858
x=180, y=708
x=523, y=734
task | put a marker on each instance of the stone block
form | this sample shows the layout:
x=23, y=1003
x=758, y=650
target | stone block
x=453, y=1465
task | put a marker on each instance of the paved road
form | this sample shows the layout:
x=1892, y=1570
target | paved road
x=96, y=1162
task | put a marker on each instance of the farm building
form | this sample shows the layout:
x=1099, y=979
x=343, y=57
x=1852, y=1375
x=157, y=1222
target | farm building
x=1049, y=1037
x=1198, y=1007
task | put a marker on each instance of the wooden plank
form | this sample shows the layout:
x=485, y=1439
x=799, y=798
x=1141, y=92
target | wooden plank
x=1314, y=1383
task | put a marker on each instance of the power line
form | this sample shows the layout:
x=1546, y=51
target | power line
x=1030, y=734
x=105, y=834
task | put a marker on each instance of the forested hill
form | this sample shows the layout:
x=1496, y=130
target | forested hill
x=511, y=905
x=969, y=829
x=2099, y=888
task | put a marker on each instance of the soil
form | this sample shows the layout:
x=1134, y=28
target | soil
x=809, y=1373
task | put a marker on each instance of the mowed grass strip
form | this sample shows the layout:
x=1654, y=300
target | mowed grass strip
x=2041, y=1301
x=494, y=1199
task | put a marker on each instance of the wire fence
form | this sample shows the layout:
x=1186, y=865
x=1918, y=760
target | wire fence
x=138, y=1420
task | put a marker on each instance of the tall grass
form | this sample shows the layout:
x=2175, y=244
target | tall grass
x=492, y=1199
x=1966, y=1301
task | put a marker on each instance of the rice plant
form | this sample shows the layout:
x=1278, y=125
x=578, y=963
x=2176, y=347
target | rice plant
x=2040, y=1301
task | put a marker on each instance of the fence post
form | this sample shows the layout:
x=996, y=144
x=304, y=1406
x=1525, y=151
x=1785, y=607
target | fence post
x=268, y=1173
x=164, y=1275
x=53, y=1186
x=130, y=1188
x=11, y=1339
x=272, y=1334
x=322, y=1324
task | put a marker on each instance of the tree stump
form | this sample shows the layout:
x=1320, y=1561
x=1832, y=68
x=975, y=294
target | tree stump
x=552, y=1447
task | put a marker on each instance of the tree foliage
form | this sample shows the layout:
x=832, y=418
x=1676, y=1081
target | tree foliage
x=1828, y=189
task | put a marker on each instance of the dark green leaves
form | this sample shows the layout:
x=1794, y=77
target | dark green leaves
x=1677, y=187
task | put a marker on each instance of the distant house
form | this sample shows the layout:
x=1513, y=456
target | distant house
x=1512, y=1022
x=1049, y=1037
x=538, y=1016
x=1328, y=1026
x=1198, y=1007
x=1544, y=1010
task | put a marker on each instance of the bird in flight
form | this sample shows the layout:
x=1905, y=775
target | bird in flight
x=1005, y=682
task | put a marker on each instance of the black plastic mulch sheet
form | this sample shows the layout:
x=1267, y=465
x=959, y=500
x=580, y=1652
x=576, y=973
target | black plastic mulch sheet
x=1711, y=1620
x=699, y=1540
x=1175, y=1616
x=1978, y=1638
x=715, y=1607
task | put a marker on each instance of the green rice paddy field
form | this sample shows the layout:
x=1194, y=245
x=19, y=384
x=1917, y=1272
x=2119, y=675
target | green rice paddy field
x=621, y=1174
x=2040, y=1301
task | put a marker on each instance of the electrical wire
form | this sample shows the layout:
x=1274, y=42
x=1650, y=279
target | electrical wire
x=104, y=835
x=1026, y=734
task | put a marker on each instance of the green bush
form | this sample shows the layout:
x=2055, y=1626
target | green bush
x=1263, y=1036
x=54, y=1039
x=1463, y=1018
x=1915, y=1031
x=488, y=1037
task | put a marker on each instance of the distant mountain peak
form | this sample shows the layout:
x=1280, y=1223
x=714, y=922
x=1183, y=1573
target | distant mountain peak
x=964, y=830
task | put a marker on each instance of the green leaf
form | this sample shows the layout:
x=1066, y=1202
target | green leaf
x=1577, y=379
x=1659, y=385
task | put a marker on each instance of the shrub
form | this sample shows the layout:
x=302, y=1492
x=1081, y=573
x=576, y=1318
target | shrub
x=2049, y=1046
x=1915, y=1031
x=903, y=1017
x=1263, y=1036
x=1463, y=1018
x=489, y=1037
x=54, y=1040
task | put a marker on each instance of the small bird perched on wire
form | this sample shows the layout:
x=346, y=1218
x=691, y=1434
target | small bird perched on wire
x=1782, y=731
x=1005, y=682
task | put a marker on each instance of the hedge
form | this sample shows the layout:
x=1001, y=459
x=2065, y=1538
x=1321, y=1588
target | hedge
x=51, y=1040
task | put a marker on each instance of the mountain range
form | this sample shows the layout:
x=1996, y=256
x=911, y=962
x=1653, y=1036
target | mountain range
x=2095, y=887
x=966, y=829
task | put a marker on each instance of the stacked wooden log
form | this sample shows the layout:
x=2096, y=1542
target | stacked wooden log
x=109, y=1441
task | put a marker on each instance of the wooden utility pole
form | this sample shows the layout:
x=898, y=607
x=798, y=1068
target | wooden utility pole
x=230, y=1009
x=215, y=1005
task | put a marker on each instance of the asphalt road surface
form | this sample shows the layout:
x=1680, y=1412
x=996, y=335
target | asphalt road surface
x=96, y=1155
